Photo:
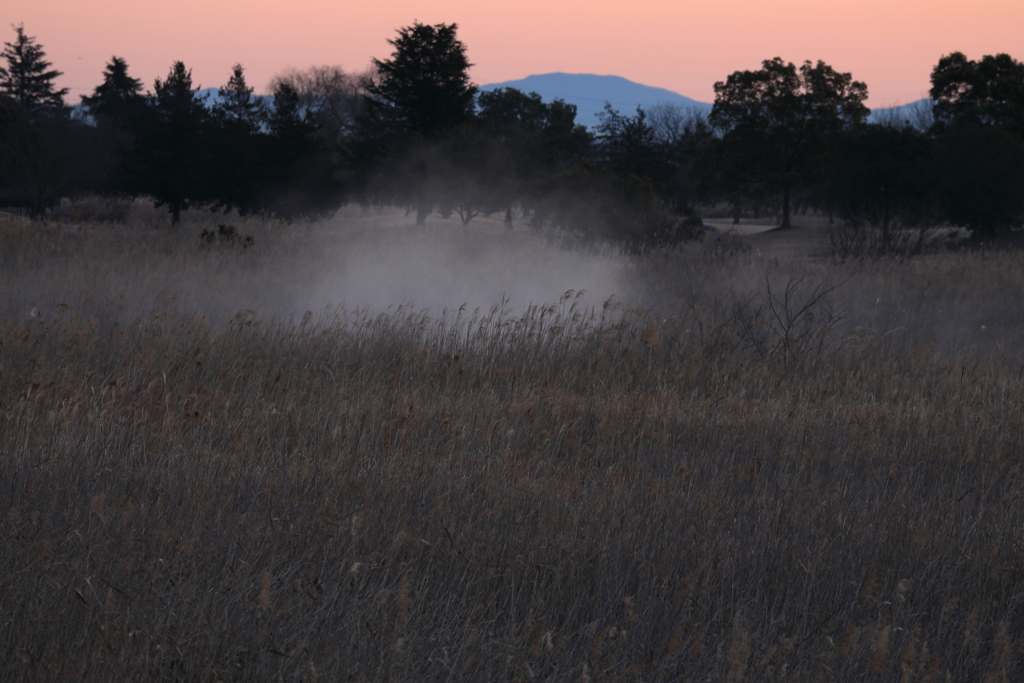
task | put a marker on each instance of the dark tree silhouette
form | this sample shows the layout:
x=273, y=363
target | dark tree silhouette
x=171, y=160
x=629, y=145
x=424, y=89
x=535, y=140
x=779, y=125
x=237, y=104
x=979, y=141
x=44, y=155
x=45, y=158
x=332, y=98
x=419, y=95
x=880, y=176
x=987, y=92
x=27, y=172
x=978, y=172
x=27, y=79
x=471, y=173
x=118, y=99
x=235, y=145
x=591, y=205
x=300, y=171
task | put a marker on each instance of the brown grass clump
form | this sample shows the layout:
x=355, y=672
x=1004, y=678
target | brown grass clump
x=668, y=493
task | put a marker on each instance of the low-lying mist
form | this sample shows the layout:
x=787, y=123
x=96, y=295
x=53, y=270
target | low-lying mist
x=369, y=263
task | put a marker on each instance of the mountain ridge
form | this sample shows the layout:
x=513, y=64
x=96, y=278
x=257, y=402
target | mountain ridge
x=590, y=92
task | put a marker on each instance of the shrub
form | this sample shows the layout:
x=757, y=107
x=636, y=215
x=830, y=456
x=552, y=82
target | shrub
x=590, y=206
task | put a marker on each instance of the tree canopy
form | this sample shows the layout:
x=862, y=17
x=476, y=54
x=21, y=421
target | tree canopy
x=986, y=92
x=424, y=88
x=118, y=97
x=28, y=78
x=418, y=96
x=170, y=160
x=780, y=123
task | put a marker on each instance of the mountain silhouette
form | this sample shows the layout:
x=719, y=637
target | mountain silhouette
x=589, y=93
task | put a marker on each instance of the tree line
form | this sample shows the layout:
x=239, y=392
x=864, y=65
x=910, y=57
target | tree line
x=415, y=132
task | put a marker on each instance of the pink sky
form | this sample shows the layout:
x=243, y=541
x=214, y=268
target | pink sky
x=684, y=46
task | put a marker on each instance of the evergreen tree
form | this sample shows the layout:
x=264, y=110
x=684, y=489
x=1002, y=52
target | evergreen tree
x=28, y=79
x=300, y=173
x=630, y=146
x=170, y=160
x=118, y=99
x=419, y=96
x=237, y=104
x=235, y=145
x=285, y=120
x=424, y=89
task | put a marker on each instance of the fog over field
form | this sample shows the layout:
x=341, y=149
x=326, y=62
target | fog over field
x=445, y=267
x=371, y=260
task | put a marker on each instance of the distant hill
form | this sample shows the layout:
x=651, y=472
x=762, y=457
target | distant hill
x=589, y=93
x=918, y=114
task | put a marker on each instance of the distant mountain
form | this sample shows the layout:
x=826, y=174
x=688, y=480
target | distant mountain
x=589, y=93
x=918, y=114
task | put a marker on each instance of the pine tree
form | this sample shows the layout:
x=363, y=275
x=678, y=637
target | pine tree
x=28, y=79
x=119, y=97
x=237, y=103
x=170, y=160
x=299, y=173
x=419, y=96
x=236, y=145
x=425, y=88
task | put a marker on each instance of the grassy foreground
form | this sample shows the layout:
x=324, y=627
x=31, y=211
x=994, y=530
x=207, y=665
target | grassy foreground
x=741, y=486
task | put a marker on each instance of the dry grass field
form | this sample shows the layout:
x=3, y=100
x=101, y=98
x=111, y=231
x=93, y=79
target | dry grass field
x=717, y=464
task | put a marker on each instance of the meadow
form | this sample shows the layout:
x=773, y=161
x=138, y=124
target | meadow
x=306, y=460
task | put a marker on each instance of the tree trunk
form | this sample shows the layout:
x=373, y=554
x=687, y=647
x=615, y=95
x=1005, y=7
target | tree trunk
x=422, y=211
x=785, y=209
x=175, y=214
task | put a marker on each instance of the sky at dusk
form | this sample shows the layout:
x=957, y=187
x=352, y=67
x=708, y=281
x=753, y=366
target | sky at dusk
x=681, y=45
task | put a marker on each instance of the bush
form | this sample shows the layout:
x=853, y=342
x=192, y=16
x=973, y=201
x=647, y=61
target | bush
x=590, y=206
x=226, y=236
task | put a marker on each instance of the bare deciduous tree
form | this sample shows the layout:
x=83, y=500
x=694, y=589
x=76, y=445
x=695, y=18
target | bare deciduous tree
x=332, y=97
x=673, y=123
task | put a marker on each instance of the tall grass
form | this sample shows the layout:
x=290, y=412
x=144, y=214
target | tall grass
x=692, y=490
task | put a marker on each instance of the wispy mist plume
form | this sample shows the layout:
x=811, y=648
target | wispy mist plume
x=373, y=261
x=444, y=267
